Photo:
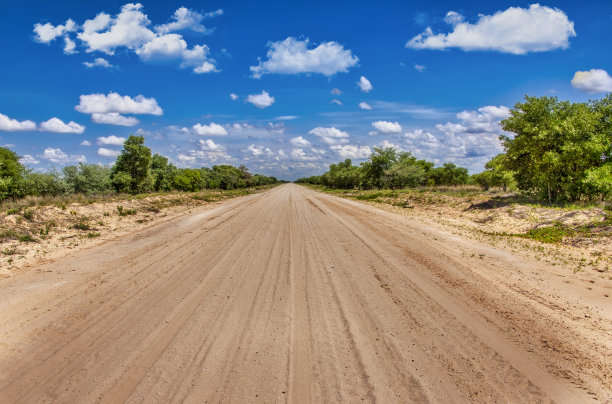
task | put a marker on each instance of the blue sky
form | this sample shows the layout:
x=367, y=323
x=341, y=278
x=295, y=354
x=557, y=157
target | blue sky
x=278, y=85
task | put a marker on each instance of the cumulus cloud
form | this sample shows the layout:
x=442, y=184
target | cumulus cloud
x=58, y=126
x=262, y=100
x=99, y=62
x=420, y=68
x=110, y=153
x=111, y=140
x=46, y=33
x=471, y=141
x=211, y=129
x=348, y=151
x=85, y=143
x=171, y=47
x=593, y=81
x=300, y=142
x=292, y=56
x=233, y=96
x=259, y=151
x=515, y=30
x=113, y=102
x=387, y=127
x=113, y=118
x=365, y=105
x=336, y=91
x=364, y=84
x=12, y=125
x=183, y=158
x=184, y=18
x=330, y=135
x=131, y=29
x=57, y=156
x=28, y=159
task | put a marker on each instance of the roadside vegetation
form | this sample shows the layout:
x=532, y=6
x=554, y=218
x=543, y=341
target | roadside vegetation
x=134, y=172
x=555, y=151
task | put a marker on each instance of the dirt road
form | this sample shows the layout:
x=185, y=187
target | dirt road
x=295, y=296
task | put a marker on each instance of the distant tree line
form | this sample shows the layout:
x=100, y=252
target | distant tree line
x=134, y=171
x=388, y=168
x=559, y=151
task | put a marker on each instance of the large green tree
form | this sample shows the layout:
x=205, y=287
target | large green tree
x=11, y=174
x=556, y=144
x=133, y=162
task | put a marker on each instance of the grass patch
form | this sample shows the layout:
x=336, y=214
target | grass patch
x=93, y=235
x=26, y=238
x=81, y=225
x=28, y=214
x=125, y=212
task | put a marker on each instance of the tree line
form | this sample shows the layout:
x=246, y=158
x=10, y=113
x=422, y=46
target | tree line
x=554, y=150
x=136, y=170
x=388, y=168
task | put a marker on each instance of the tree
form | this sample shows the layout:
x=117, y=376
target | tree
x=556, y=144
x=495, y=174
x=135, y=161
x=11, y=173
x=163, y=173
x=380, y=161
x=88, y=178
x=450, y=174
x=406, y=172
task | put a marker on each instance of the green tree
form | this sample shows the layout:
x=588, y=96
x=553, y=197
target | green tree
x=11, y=174
x=135, y=161
x=450, y=174
x=88, y=178
x=556, y=144
x=163, y=173
x=374, y=169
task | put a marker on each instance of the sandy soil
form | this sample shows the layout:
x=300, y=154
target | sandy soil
x=296, y=296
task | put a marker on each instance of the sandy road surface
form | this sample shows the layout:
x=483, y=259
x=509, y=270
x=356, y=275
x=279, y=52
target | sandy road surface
x=295, y=296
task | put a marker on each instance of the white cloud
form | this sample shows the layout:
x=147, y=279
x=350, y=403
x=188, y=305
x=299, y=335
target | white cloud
x=593, y=81
x=330, y=135
x=113, y=118
x=128, y=29
x=259, y=151
x=469, y=142
x=12, y=125
x=348, y=151
x=211, y=129
x=386, y=144
x=113, y=102
x=365, y=105
x=233, y=96
x=170, y=47
x=515, y=30
x=110, y=153
x=387, y=127
x=420, y=68
x=111, y=140
x=69, y=46
x=336, y=91
x=209, y=145
x=45, y=33
x=28, y=159
x=364, y=84
x=286, y=117
x=131, y=29
x=56, y=155
x=185, y=159
x=58, y=126
x=262, y=100
x=337, y=102
x=183, y=18
x=300, y=142
x=292, y=56
x=99, y=62
x=85, y=143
